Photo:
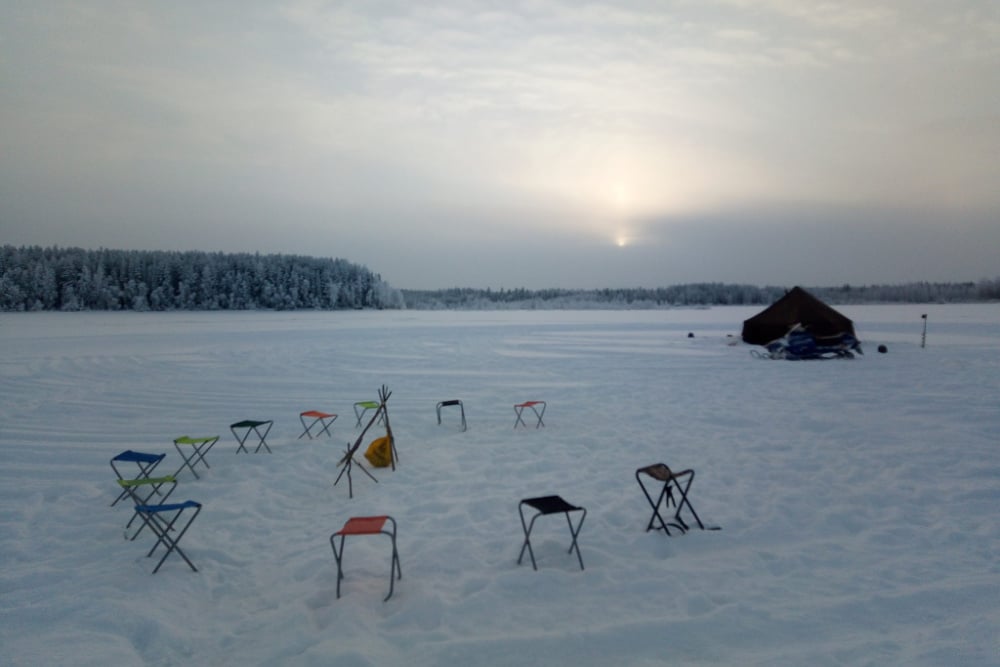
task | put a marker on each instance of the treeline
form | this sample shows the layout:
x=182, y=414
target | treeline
x=695, y=294
x=36, y=278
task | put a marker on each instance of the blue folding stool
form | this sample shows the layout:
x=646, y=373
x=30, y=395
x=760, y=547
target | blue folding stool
x=161, y=520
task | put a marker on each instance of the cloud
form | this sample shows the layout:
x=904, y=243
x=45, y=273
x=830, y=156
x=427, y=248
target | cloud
x=398, y=123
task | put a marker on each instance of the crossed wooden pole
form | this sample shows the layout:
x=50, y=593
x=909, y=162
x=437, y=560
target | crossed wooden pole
x=347, y=461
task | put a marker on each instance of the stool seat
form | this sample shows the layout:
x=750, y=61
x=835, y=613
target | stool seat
x=167, y=507
x=138, y=457
x=550, y=504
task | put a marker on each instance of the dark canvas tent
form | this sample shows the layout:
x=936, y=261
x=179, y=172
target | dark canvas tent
x=796, y=307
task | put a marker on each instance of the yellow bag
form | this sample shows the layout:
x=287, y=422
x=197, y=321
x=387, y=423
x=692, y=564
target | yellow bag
x=379, y=452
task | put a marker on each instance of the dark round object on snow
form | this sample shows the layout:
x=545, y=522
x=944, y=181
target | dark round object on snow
x=883, y=349
x=690, y=335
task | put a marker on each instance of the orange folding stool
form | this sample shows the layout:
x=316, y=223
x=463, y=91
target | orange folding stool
x=367, y=525
x=324, y=419
x=519, y=410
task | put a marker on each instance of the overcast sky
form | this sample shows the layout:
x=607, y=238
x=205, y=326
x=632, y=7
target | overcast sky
x=514, y=144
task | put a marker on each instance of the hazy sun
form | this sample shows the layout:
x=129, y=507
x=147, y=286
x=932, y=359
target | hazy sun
x=621, y=241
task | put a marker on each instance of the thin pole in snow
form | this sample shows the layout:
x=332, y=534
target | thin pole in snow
x=923, y=336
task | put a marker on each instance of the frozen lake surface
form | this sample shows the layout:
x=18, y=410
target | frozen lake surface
x=857, y=499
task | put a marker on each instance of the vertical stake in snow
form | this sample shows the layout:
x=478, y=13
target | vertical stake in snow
x=923, y=336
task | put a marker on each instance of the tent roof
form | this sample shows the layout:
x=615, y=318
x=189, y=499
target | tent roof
x=797, y=306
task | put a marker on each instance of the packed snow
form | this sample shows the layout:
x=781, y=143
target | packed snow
x=857, y=500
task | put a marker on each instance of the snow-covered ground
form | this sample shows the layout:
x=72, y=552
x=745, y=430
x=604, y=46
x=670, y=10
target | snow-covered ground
x=859, y=501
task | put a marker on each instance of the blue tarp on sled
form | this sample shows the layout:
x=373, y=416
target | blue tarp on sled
x=799, y=344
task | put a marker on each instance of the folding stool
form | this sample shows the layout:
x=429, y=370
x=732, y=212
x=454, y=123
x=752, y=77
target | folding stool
x=549, y=505
x=679, y=480
x=163, y=526
x=146, y=463
x=324, y=419
x=251, y=426
x=457, y=402
x=367, y=525
x=365, y=407
x=141, y=491
x=519, y=409
x=199, y=447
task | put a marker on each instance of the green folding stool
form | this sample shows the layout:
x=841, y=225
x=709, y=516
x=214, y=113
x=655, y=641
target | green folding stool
x=141, y=491
x=365, y=406
x=199, y=447
x=146, y=463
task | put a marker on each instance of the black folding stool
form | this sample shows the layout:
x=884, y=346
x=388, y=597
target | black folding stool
x=251, y=426
x=661, y=472
x=549, y=505
x=457, y=402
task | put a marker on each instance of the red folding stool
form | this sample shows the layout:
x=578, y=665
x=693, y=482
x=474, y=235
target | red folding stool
x=519, y=410
x=324, y=419
x=367, y=525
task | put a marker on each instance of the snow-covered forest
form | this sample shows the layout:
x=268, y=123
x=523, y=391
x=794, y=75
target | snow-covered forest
x=36, y=278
